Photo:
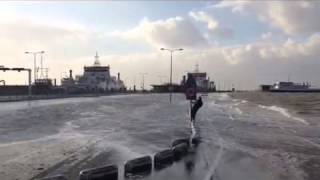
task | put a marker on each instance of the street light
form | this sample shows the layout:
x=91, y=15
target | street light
x=35, y=62
x=143, y=74
x=171, y=51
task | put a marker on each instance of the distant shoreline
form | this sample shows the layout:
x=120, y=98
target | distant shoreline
x=18, y=98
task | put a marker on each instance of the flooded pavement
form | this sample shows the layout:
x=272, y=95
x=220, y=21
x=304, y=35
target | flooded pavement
x=239, y=139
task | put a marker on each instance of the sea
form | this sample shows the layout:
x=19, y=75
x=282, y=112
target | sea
x=242, y=135
x=304, y=107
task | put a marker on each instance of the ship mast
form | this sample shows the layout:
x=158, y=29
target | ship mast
x=197, y=68
x=96, y=61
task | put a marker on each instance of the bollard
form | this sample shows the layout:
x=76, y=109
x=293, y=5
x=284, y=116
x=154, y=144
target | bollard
x=196, y=141
x=163, y=159
x=138, y=166
x=179, y=141
x=180, y=150
x=101, y=173
x=57, y=177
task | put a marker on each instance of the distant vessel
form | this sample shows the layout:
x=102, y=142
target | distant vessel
x=292, y=87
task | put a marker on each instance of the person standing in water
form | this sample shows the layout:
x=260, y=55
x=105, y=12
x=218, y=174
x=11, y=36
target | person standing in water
x=197, y=105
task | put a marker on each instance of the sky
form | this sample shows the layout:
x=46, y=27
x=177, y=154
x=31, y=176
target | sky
x=244, y=43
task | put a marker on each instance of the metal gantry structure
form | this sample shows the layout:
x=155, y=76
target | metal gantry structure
x=4, y=69
x=35, y=62
x=171, y=52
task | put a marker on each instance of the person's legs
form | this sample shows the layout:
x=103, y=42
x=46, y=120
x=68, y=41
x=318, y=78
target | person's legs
x=193, y=115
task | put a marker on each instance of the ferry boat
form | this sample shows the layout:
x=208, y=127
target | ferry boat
x=292, y=87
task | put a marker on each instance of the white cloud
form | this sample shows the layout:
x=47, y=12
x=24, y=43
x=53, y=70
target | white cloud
x=61, y=43
x=248, y=64
x=266, y=36
x=172, y=32
x=213, y=25
x=294, y=17
x=204, y=17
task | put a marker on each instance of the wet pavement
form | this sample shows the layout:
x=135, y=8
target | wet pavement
x=240, y=140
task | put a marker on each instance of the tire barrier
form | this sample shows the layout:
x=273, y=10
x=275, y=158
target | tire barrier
x=179, y=141
x=194, y=141
x=180, y=150
x=57, y=177
x=101, y=173
x=163, y=159
x=138, y=166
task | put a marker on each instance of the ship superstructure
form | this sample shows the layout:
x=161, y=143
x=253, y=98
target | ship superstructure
x=96, y=78
x=288, y=86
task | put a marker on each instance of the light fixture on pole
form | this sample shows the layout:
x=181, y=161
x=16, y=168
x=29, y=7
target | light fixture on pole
x=171, y=52
x=35, y=62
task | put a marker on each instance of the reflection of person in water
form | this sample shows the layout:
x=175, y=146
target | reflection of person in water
x=197, y=105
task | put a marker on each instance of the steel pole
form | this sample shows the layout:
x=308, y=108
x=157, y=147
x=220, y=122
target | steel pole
x=35, y=67
x=170, y=87
x=29, y=87
x=142, y=82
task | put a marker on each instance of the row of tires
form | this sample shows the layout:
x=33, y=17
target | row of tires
x=137, y=167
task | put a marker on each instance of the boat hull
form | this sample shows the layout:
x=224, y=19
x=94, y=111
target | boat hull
x=296, y=91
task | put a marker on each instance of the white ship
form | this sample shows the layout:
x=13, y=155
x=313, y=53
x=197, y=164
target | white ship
x=292, y=87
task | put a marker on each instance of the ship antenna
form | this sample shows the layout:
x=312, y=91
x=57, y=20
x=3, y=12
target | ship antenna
x=197, y=68
x=96, y=61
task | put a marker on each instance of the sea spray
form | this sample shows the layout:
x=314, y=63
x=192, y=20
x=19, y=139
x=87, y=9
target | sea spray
x=284, y=112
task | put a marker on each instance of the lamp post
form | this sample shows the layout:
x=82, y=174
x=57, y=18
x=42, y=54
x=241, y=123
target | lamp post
x=35, y=62
x=171, y=52
x=143, y=74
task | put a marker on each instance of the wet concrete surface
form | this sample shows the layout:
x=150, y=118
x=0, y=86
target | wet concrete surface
x=240, y=140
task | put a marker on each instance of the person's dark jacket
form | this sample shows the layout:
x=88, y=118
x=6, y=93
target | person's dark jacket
x=195, y=108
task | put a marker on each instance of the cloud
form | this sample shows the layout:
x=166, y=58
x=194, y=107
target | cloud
x=266, y=36
x=213, y=25
x=204, y=17
x=172, y=32
x=246, y=65
x=25, y=35
x=293, y=18
x=63, y=45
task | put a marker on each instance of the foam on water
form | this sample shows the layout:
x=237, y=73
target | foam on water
x=238, y=110
x=224, y=97
x=284, y=112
